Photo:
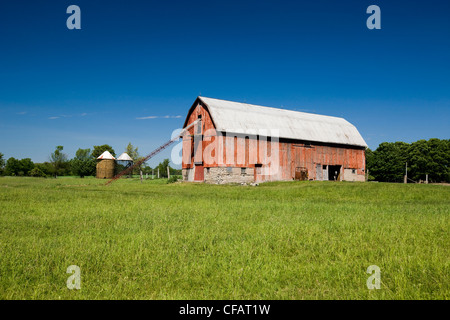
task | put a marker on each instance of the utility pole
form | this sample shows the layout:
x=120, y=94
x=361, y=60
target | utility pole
x=406, y=173
x=168, y=173
x=153, y=173
x=158, y=173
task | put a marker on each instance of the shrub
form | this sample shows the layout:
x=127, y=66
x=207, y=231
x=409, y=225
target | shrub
x=38, y=173
x=172, y=179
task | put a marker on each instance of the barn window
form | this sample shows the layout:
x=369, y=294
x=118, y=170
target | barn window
x=324, y=167
x=207, y=170
x=199, y=124
x=353, y=171
x=243, y=171
x=229, y=169
x=308, y=144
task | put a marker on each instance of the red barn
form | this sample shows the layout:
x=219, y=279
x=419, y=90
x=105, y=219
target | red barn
x=239, y=142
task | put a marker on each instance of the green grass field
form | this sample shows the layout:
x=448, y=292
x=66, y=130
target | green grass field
x=287, y=240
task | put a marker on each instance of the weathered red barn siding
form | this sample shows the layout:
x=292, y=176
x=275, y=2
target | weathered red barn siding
x=192, y=153
x=310, y=156
x=292, y=154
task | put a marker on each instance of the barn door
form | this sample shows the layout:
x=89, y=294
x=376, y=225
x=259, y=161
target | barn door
x=199, y=173
x=325, y=173
x=319, y=176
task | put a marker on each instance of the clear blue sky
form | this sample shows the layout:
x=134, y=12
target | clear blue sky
x=132, y=59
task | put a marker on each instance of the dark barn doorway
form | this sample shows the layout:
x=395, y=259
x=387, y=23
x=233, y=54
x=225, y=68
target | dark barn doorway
x=334, y=173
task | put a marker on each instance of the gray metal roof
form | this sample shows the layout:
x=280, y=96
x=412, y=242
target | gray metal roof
x=106, y=156
x=243, y=118
x=124, y=157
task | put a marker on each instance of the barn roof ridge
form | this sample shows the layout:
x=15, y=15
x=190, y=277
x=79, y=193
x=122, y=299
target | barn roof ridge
x=275, y=108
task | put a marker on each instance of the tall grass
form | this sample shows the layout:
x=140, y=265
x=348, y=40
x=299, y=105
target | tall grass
x=286, y=240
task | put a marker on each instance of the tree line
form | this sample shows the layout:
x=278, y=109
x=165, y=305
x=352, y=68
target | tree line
x=388, y=162
x=82, y=165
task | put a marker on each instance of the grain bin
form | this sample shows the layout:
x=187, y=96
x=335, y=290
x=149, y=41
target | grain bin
x=123, y=162
x=106, y=166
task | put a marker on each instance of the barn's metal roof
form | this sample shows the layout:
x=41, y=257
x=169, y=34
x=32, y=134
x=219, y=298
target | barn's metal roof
x=243, y=118
x=106, y=156
x=124, y=157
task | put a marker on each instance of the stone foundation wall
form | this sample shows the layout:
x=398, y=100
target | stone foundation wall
x=350, y=176
x=222, y=175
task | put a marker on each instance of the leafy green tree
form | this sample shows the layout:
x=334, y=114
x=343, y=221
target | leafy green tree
x=418, y=156
x=12, y=167
x=387, y=163
x=98, y=150
x=370, y=159
x=59, y=162
x=15, y=167
x=83, y=164
x=430, y=157
x=46, y=168
x=146, y=169
x=174, y=171
x=2, y=163
x=37, y=172
x=26, y=165
x=162, y=166
x=134, y=154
